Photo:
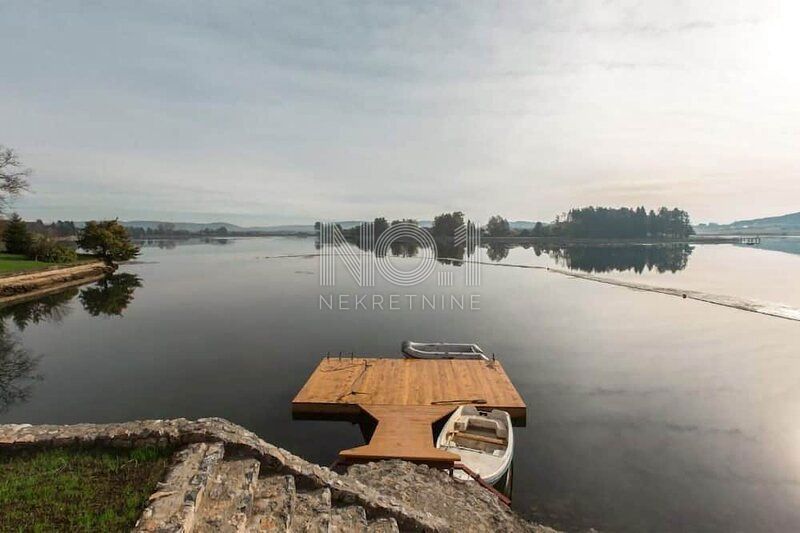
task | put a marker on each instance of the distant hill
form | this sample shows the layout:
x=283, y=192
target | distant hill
x=780, y=224
x=196, y=227
x=521, y=224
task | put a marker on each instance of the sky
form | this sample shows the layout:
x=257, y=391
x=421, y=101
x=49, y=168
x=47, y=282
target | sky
x=280, y=113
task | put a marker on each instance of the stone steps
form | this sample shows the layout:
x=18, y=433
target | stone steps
x=204, y=491
x=273, y=504
x=228, y=499
x=312, y=514
x=383, y=525
x=349, y=519
x=393, y=493
x=173, y=507
x=279, y=505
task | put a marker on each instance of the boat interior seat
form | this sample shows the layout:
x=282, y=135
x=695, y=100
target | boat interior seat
x=486, y=424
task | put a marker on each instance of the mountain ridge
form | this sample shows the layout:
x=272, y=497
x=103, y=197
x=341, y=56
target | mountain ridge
x=789, y=222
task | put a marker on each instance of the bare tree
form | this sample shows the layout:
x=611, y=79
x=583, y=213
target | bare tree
x=13, y=177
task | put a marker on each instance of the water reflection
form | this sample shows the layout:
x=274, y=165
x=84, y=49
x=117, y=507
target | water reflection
x=404, y=249
x=170, y=244
x=18, y=371
x=497, y=251
x=52, y=308
x=447, y=252
x=111, y=295
x=18, y=366
x=599, y=259
x=594, y=259
x=787, y=244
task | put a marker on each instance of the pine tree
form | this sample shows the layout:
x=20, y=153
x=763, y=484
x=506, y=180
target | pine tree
x=16, y=236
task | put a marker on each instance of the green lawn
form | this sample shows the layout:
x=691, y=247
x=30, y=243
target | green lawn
x=19, y=263
x=77, y=489
x=13, y=263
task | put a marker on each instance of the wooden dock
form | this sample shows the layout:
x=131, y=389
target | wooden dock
x=405, y=397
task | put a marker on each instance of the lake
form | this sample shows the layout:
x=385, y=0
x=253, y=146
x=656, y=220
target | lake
x=645, y=412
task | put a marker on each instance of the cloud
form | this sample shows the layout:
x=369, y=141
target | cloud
x=292, y=112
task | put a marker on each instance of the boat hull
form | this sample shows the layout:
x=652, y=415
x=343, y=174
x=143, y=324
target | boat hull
x=493, y=461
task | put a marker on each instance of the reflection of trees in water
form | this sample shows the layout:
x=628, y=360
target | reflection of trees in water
x=446, y=252
x=404, y=249
x=497, y=251
x=599, y=259
x=111, y=295
x=17, y=372
x=18, y=367
x=169, y=244
x=449, y=253
x=51, y=308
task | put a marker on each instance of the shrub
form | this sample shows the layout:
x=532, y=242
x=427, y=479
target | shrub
x=45, y=249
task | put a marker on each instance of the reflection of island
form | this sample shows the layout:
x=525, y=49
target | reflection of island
x=111, y=295
x=446, y=251
x=599, y=259
x=404, y=249
x=496, y=251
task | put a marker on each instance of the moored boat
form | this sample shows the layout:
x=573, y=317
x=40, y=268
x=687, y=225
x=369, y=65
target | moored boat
x=442, y=350
x=484, y=439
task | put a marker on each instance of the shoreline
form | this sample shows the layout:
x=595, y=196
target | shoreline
x=21, y=286
x=610, y=242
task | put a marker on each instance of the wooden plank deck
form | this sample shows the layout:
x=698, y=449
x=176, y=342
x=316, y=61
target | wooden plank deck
x=406, y=397
x=403, y=433
x=339, y=386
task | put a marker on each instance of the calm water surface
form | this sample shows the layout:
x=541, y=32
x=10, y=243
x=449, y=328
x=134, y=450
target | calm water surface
x=646, y=412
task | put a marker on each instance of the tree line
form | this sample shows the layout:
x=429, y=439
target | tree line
x=580, y=223
x=167, y=229
x=604, y=222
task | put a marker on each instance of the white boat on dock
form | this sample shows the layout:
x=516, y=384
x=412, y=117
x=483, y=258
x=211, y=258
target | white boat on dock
x=442, y=350
x=483, y=439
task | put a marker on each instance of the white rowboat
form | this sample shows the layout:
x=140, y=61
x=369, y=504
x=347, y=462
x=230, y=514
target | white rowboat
x=442, y=350
x=483, y=439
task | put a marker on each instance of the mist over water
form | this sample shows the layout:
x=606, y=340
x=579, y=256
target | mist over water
x=646, y=412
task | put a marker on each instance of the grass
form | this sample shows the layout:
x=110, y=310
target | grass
x=77, y=489
x=14, y=263
x=19, y=263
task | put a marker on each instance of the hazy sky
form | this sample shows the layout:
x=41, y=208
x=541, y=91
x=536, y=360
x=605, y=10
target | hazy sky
x=260, y=112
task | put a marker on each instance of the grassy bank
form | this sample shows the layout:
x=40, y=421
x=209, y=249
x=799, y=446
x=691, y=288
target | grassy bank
x=17, y=263
x=77, y=490
x=10, y=263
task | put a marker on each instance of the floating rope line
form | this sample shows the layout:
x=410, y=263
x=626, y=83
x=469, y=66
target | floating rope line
x=773, y=309
x=292, y=255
